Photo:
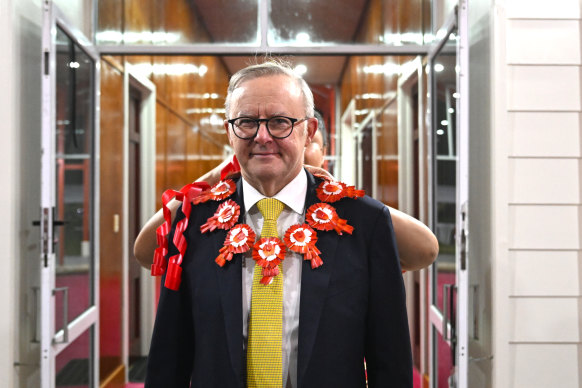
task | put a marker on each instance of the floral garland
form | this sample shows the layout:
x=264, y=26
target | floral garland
x=268, y=252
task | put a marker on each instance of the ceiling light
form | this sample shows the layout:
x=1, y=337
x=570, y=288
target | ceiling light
x=438, y=67
x=300, y=69
x=303, y=37
x=440, y=131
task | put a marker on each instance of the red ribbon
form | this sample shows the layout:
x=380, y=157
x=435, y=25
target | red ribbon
x=159, y=266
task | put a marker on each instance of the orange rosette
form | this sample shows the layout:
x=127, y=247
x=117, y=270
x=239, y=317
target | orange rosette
x=322, y=216
x=302, y=239
x=224, y=218
x=333, y=191
x=238, y=240
x=218, y=192
x=269, y=252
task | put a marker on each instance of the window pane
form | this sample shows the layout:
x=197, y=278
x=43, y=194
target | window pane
x=170, y=22
x=302, y=23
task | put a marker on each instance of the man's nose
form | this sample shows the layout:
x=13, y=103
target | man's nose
x=263, y=134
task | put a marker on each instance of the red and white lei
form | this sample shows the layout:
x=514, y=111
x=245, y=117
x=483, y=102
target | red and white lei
x=268, y=252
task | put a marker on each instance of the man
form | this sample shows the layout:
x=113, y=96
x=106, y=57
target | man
x=333, y=316
x=417, y=245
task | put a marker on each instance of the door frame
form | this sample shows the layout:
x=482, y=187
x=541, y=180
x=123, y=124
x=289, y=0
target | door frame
x=133, y=79
x=53, y=343
x=358, y=134
x=457, y=20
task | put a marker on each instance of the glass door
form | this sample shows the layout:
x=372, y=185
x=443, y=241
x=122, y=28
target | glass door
x=448, y=134
x=69, y=313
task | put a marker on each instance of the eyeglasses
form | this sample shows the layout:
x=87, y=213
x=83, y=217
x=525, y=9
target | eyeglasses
x=279, y=127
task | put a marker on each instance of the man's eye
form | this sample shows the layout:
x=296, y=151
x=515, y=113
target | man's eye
x=280, y=121
x=246, y=123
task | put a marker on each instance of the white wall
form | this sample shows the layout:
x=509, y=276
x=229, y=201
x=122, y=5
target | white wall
x=537, y=195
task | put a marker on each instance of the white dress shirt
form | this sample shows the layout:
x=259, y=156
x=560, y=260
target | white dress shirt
x=293, y=196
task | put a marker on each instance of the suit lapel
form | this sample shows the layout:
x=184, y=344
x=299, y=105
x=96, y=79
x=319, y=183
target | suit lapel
x=314, y=284
x=230, y=289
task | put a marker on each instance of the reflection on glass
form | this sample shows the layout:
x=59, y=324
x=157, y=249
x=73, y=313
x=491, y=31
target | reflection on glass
x=167, y=22
x=444, y=136
x=74, y=175
x=72, y=365
x=444, y=360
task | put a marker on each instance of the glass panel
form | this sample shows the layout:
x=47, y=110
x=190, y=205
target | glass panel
x=168, y=22
x=73, y=364
x=324, y=22
x=443, y=361
x=445, y=164
x=441, y=11
x=74, y=175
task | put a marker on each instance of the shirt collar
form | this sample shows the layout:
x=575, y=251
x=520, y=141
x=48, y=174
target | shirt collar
x=292, y=195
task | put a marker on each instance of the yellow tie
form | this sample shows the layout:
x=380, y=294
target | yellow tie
x=264, y=350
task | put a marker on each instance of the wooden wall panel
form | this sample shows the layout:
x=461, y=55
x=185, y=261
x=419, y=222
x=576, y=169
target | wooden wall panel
x=175, y=152
x=137, y=21
x=161, y=132
x=110, y=15
x=111, y=177
x=194, y=150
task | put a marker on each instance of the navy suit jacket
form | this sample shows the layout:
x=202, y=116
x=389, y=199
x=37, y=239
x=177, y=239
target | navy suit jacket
x=351, y=308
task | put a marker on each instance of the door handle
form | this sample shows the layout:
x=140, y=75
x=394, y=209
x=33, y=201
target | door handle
x=35, y=295
x=448, y=303
x=65, y=291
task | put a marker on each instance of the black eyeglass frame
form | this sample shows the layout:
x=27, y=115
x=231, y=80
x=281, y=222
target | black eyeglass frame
x=266, y=121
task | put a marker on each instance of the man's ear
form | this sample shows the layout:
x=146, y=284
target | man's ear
x=226, y=127
x=312, y=124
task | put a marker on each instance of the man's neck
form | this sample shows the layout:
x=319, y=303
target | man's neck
x=293, y=194
x=267, y=188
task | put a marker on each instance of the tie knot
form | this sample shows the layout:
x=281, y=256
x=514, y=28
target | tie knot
x=270, y=208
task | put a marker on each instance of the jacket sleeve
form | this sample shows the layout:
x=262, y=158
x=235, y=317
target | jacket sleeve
x=171, y=353
x=388, y=352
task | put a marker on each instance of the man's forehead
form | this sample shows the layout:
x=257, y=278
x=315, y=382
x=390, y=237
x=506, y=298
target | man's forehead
x=268, y=85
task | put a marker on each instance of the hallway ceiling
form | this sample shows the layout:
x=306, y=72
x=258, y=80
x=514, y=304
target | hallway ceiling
x=323, y=20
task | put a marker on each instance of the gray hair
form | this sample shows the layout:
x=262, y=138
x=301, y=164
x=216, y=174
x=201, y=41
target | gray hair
x=269, y=68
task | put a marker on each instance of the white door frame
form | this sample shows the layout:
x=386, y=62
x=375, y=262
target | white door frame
x=133, y=79
x=458, y=20
x=52, y=343
x=358, y=134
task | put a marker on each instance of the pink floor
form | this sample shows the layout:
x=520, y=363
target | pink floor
x=416, y=379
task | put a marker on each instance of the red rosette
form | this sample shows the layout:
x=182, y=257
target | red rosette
x=302, y=239
x=269, y=252
x=218, y=192
x=224, y=218
x=330, y=191
x=238, y=240
x=333, y=191
x=322, y=216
